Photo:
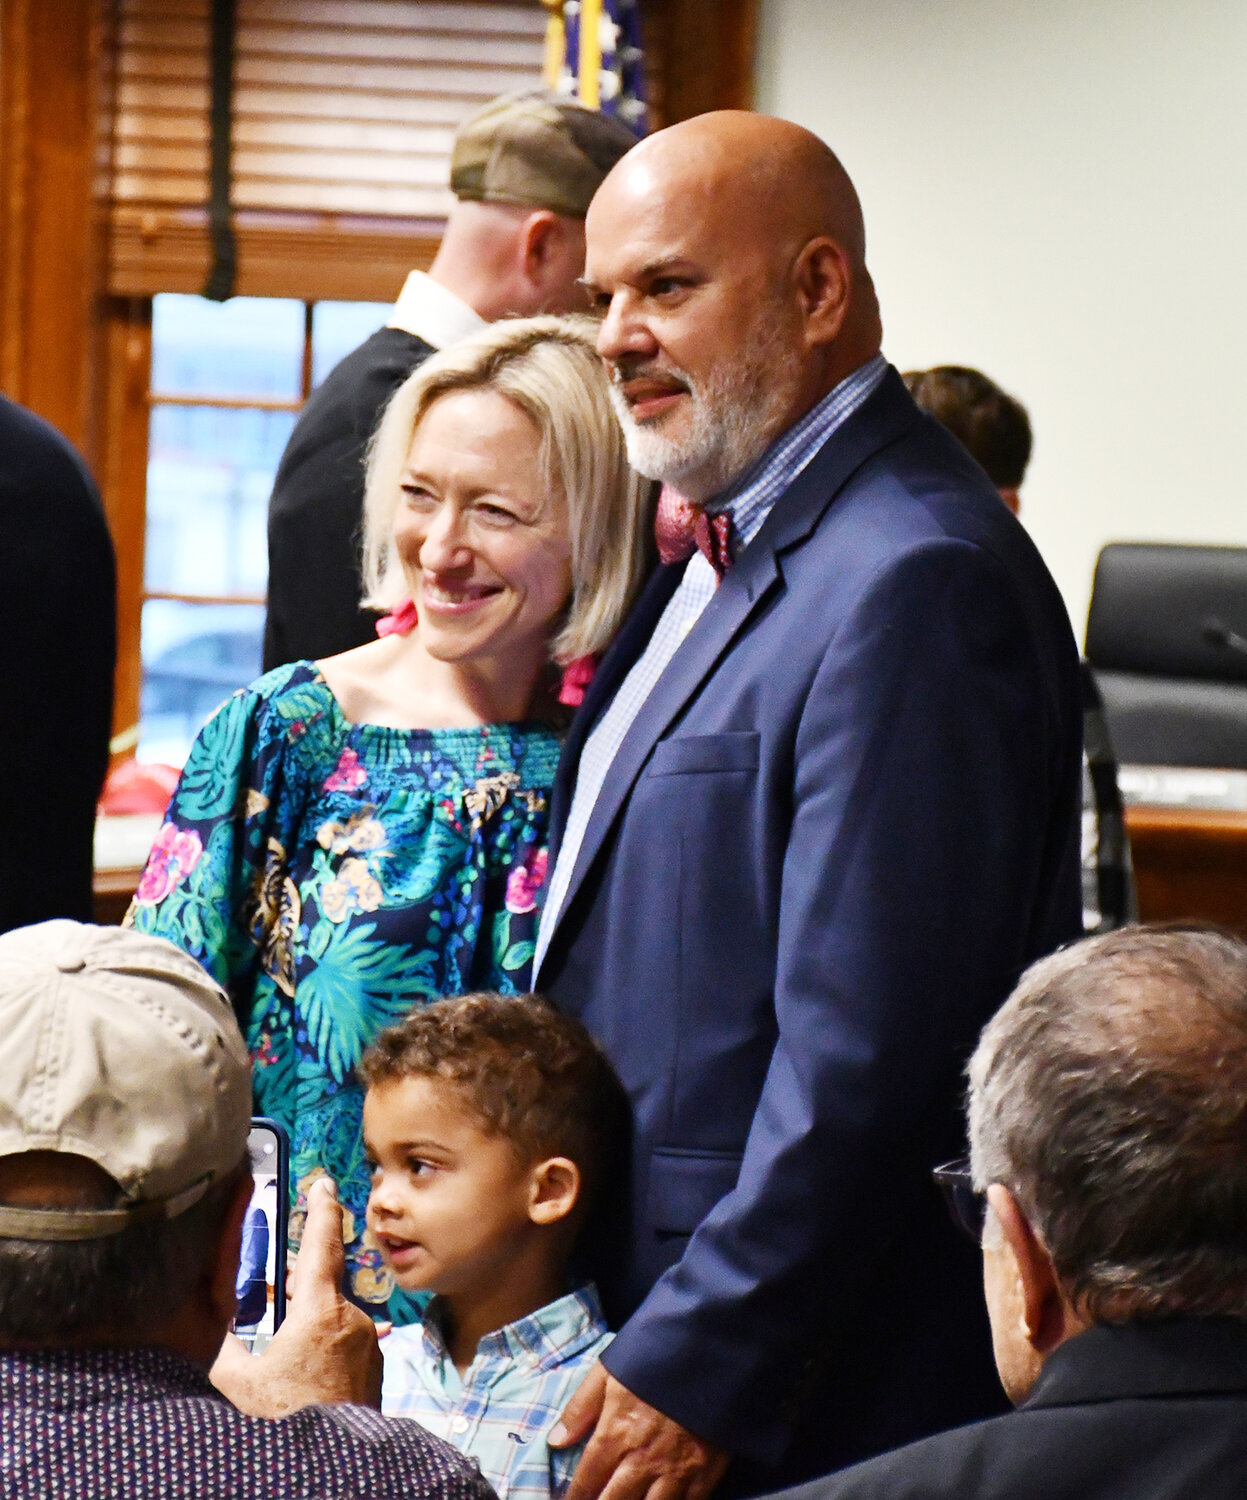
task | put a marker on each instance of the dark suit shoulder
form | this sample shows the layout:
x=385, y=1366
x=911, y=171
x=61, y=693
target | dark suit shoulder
x=382, y=362
x=35, y=459
x=890, y=481
x=1191, y=1447
x=921, y=496
x=53, y=520
x=345, y=408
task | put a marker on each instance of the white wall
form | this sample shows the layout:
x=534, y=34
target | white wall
x=1055, y=192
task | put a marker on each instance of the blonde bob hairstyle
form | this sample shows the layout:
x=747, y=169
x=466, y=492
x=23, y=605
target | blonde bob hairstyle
x=549, y=368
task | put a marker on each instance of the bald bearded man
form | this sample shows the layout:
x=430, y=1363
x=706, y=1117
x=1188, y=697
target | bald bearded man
x=813, y=821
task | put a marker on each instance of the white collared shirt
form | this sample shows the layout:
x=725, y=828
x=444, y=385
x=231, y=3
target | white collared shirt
x=428, y=311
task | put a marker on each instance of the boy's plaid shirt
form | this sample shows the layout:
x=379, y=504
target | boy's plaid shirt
x=501, y=1410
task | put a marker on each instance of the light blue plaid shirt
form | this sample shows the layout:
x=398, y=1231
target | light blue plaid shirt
x=750, y=501
x=502, y=1409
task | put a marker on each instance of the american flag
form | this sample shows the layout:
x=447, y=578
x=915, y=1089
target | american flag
x=593, y=50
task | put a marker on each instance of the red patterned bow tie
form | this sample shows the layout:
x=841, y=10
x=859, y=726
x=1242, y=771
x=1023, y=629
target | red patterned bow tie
x=680, y=526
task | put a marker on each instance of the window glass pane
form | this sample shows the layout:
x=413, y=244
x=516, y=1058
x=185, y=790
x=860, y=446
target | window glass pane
x=249, y=346
x=209, y=474
x=194, y=656
x=339, y=327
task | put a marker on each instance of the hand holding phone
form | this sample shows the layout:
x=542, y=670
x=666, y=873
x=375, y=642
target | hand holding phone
x=326, y=1350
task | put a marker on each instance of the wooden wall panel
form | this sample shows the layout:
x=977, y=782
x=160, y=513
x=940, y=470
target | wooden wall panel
x=52, y=232
x=700, y=56
x=14, y=180
x=1190, y=865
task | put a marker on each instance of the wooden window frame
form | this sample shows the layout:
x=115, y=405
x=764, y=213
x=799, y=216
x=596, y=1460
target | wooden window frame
x=80, y=355
x=127, y=380
x=131, y=403
x=223, y=401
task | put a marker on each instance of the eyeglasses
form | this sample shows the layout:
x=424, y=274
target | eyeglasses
x=966, y=1203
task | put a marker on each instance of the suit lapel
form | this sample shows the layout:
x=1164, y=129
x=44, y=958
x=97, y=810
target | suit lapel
x=618, y=661
x=884, y=417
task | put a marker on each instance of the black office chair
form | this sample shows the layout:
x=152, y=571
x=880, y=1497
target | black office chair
x=1167, y=636
x=1109, y=897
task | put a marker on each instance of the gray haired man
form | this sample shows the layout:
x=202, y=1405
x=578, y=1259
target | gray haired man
x=1108, y=1184
x=125, y=1099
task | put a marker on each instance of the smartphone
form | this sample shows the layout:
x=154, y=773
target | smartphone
x=261, y=1286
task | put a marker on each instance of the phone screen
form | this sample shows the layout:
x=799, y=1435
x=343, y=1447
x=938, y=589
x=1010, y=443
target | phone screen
x=261, y=1287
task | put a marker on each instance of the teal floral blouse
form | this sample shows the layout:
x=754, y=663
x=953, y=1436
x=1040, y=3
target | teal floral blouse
x=332, y=875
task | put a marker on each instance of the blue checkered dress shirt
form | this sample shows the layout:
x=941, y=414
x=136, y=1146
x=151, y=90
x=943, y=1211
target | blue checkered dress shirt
x=750, y=501
x=502, y=1409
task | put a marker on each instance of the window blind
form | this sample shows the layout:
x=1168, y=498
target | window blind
x=342, y=127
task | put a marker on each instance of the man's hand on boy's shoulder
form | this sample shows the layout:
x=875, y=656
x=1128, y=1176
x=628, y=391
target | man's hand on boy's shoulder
x=634, y=1451
x=326, y=1351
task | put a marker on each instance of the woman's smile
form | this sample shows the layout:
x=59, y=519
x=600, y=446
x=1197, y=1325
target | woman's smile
x=454, y=598
x=484, y=544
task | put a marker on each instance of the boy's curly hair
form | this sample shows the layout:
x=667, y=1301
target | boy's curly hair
x=525, y=1072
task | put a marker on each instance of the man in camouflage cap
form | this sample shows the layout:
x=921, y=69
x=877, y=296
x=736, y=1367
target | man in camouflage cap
x=523, y=171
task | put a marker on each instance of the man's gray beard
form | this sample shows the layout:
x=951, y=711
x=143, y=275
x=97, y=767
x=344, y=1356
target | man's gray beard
x=736, y=413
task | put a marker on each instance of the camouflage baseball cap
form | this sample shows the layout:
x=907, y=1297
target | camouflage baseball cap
x=536, y=148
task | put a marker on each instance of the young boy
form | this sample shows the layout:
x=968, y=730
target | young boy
x=493, y=1125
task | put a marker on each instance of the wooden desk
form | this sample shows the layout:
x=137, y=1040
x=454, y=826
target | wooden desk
x=121, y=845
x=1190, y=863
x=112, y=893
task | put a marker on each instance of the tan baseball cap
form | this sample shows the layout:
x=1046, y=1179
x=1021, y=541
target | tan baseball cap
x=117, y=1047
x=536, y=148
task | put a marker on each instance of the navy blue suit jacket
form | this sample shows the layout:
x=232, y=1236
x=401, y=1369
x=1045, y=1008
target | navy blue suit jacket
x=844, y=821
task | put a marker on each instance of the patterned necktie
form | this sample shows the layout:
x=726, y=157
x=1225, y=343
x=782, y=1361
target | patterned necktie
x=680, y=526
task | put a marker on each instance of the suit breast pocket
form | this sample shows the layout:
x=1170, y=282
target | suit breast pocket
x=697, y=754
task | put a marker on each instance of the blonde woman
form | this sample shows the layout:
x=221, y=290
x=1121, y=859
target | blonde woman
x=358, y=835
